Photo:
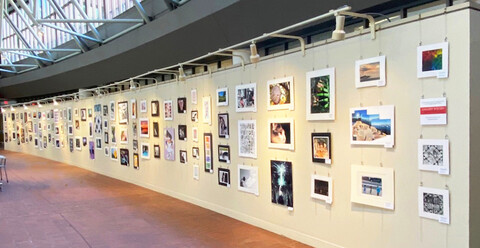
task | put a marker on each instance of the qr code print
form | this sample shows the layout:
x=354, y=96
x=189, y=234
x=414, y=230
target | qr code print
x=433, y=155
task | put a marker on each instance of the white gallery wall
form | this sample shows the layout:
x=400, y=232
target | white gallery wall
x=341, y=224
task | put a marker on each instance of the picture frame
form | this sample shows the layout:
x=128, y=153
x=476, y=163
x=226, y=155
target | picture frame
x=143, y=106
x=155, y=108
x=168, y=110
x=222, y=96
x=208, y=151
x=434, y=155
x=247, y=138
x=281, y=133
x=105, y=137
x=320, y=87
x=370, y=72
x=224, y=153
x=248, y=179
x=183, y=156
x=321, y=188
x=133, y=107
x=373, y=125
x=136, y=162
x=144, y=128
x=169, y=143
x=156, y=129
x=196, y=152
x=113, y=153
x=90, y=129
x=124, y=157
x=90, y=112
x=182, y=132
x=104, y=112
x=322, y=148
x=223, y=125
x=112, y=134
x=69, y=115
x=196, y=171
x=195, y=134
x=78, y=143
x=84, y=140
x=70, y=130
x=145, y=149
x=135, y=145
x=207, y=110
x=224, y=177
x=373, y=186
x=281, y=182
x=75, y=111
x=193, y=96
x=135, y=129
x=280, y=94
x=123, y=113
x=106, y=151
x=83, y=115
x=156, y=151
x=91, y=148
x=245, y=98
x=123, y=135
x=434, y=204
x=194, y=115
x=77, y=125
x=432, y=60
x=112, y=111
x=98, y=143
x=182, y=105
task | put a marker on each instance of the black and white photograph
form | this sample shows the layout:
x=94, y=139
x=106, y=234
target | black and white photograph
x=183, y=156
x=156, y=151
x=247, y=138
x=156, y=130
x=223, y=125
x=105, y=137
x=182, y=132
x=182, y=105
x=194, y=116
x=434, y=204
x=321, y=188
x=112, y=111
x=248, y=179
x=105, y=110
x=433, y=155
x=224, y=177
x=245, y=98
x=282, y=186
x=224, y=153
x=196, y=152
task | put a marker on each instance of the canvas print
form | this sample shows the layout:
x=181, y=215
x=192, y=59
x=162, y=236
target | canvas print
x=195, y=134
x=136, y=162
x=208, y=151
x=91, y=147
x=372, y=186
x=156, y=130
x=248, y=179
x=145, y=150
x=321, y=148
x=223, y=125
x=280, y=94
x=112, y=110
x=370, y=72
x=321, y=94
x=222, y=97
x=183, y=156
x=282, y=186
x=144, y=128
x=182, y=105
x=123, y=112
x=281, y=133
x=169, y=143
x=195, y=152
x=133, y=107
x=373, y=126
x=433, y=155
x=182, y=132
x=434, y=204
x=193, y=96
x=194, y=115
x=113, y=153
x=207, y=109
x=321, y=188
x=124, y=157
x=247, y=138
x=432, y=60
x=245, y=98
x=155, y=108
x=224, y=153
x=224, y=177
x=143, y=106
x=156, y=151
x=167, y=110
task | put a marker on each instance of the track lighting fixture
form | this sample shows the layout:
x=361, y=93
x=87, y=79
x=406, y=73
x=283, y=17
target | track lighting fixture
x=25, y=106
x=55, y=103
x=181, y=74
x=3, y=110
x=339, y=33
x=39, y=104
x=132, y=85
x=11, y=108
x=254, y=56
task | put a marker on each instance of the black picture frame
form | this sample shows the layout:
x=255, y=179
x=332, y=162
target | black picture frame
x=183, y=156
x=318, y=141
x=224, y=177
x=194, y=116
x=195, y=152
x=222, y=156
x=182, y=132
x=124, y=157
x=156, y=151
x=182, y=105
x=155, y=108
x=223, y=125
x=156, y=131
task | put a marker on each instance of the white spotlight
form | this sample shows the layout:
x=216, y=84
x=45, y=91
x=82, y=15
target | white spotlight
x=25, y=106
x=55, y=102
x=339, y=33
x=11, y=108
x=254, y=56
x=39, y=104
x=181, y=74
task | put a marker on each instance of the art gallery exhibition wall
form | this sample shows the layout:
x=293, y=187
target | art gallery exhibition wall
x=315, y=222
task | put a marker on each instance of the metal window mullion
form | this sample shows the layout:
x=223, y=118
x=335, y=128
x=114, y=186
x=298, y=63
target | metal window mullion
x=84, y=15
x=20, y=36
x=141, y=11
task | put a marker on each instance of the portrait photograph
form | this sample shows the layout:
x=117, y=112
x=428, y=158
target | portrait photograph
x=167, y=110
x=182, y=105
x=281, y=133
x=280, y=94
x=245, y=98
x=155, y=108
x=222, y=97
x=320, y=94
x=223, y=125
x=321, y=151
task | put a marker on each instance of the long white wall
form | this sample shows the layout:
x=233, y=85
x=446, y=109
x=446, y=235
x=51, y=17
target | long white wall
x=342, y=224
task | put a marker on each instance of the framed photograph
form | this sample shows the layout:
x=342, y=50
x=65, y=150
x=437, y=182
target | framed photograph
x=182, y=132
x=195, y=152
x=133, y=106
x=183, y=156
x=143, y=106
x=193, y=96
x=321, y=94
x=224, y=153
x=123, y=135
x=280, y=94
x=69, y=115
x=222, y=97
x=84, y=140
x=182, y=105
x=433, y=111
x=282, y=186
x=156, y=130
x=370, y=72
x=91, y=147
x=208, y=151
x=123, y=112
x=105, y=124
x=248, y=179
x=136, y=162
x=207, y=109
x=134, y=129
x=169, y=143
x=145, y=150
x=281, y=133
x=156, y=151
x=75, y=110
x=194, y=115
x=321, y=148
x=98, y=143
x=105, y=110
x=224, y=177
x=77, y=124
x=112, y=111
x=196, y=172
x=155, y=108
x=70, y=130
x=105, y=137
x=432, y=60
x=223, y=125
x=83, y=114
x=195, y=134
x=70, y=142
x=245, y=98
x=372, y=186
x=135, y=145
x=113, y=153
x=168, y=112
x=90, y=129
x=373, y=126
x=112, y=134
x=321, y=188
x=434, y=204
x=144, y=128
x=433, y=155
x=106, y=151
x=124, y=157
x=247, y=138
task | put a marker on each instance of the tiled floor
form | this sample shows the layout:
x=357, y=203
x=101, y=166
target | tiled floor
x=50, y=204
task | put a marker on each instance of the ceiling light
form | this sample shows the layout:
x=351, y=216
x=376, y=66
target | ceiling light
x=25, y=106
x=181, y=74
x=339, y=33
x=132, y=85
x=39, y=104
x=11, y=108
x=55, y=102
x=3, y=110
x=254, y=56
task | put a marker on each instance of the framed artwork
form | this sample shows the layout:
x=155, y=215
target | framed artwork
x=372, y=186
x=90, y=129
x=70, y=130
x=182, y=132
x=135, y=145
x=193, y=96
x=194, y=115
x=124, y=157
x=432, y=60
x=195, y=134
x=91, y=148
x=168, y=112
x=247, y=138
x=112, y=134
x=83, y=114
x=373, y=126
x=112, y=111
x=77, y=124
x=106, y=151
x=183, y=156
x=105, y=110
x=207, y=109
x=123, y=112
x=144, y=128
x=321, y=188
x=155, y=108
x=208, y=151
x=433, y=155
x=123, y=135
x=248, y=179
x=224, y=177
x=143, y=106
x=84, y=141
x=105, y=124
x=321, y=94
x=156, y=130
x=182, y=105
x=223, y=125
x=281, y=133
x=97, y=108
x=145, y=150
x=222, y=97
x=75, y=110
x=113, y=153
x=133, y=106
x=136, y=162
x=196, y=171
x=69, y=115
x=70, y=142
x=98, y=143
x=280, y=94
x=321, y=148
x=105, y=137
x=134, y=129
x=434, y=204
x=195, y=152
x=245, y=98
x=156, y=151
x=282, y=186
x=169, y=143
x=224, y=153
x=370, y=72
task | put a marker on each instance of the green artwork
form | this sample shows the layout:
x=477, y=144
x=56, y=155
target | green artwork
x=320, y=94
